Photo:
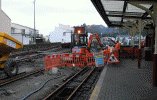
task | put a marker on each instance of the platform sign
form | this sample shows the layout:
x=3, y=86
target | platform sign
x=99, y=61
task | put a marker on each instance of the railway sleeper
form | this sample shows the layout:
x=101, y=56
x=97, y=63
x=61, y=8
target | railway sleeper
x=73, y=84
x=64, y=95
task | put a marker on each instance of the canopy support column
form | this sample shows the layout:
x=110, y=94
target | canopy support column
x=139, y=51
x=154, y=17
x=154, y=83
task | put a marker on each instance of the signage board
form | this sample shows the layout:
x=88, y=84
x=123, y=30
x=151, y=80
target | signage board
x=99, y=61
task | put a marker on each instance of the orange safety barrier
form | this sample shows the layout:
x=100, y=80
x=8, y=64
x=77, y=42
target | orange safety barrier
x=90, y=59
x=73, y=60
x=136, y=52
x=52, y=61
x=106, y=56
x=115, y=52
x=128, y=51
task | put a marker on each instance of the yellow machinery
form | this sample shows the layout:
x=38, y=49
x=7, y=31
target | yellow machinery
x=7, y=44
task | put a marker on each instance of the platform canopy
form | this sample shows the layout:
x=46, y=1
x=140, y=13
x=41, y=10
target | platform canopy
x=116, y=12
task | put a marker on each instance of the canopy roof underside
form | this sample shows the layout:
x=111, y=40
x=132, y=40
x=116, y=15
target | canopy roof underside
x=116, y=13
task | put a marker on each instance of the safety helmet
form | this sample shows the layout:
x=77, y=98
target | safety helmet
x=122, y=44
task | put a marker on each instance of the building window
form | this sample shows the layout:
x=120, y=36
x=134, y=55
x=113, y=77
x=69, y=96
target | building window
x=64, y=34
x=23, y=31
x=62, y=40
x=12, y=30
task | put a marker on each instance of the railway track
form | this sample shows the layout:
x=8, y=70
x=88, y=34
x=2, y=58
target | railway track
x=13, y=55
x=31, y=56
x=85, y=89
x=20, y=59
x=18, y=77
x=75, y=86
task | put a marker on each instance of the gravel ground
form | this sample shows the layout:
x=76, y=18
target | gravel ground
x=19, y=89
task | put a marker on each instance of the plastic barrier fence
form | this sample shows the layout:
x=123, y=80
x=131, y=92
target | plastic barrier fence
x=68, y=59
x=73, y=60
x=136, y=52
x=116, y=52
x=90, y=59
x=52, y=61
x=106, y=56
x=128, y=52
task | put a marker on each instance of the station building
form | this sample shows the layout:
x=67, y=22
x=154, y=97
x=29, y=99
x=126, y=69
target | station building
x=62, y=34
x=5, y=22
x=23, y=34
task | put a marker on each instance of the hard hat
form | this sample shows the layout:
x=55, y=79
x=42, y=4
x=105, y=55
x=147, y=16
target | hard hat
x=122, y=44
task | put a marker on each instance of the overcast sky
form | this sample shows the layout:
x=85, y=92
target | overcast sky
x=49, y=13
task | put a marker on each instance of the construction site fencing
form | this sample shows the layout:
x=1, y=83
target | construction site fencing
x=115, y=52
x=52, y=61
x=106, y=56
x=129, y=52
x=73, y=60
x=90, y=59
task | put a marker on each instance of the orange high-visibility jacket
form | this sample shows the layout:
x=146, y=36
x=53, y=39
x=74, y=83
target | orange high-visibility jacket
x=117, y=46
x=108, y=49
x=142, y=43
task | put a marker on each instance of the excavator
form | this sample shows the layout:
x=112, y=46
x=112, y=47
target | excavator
x=79, y=41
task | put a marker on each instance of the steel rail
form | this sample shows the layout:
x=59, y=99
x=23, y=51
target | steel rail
x=62, y=86
x=32, y=51
x=81, y=83
x=19, y=77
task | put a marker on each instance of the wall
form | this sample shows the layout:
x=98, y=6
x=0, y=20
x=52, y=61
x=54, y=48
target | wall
x=5, y=23
x=66, y=27
x=57, y=35
x=18, y=28
x=25, y=39
x=46, y=38
x=17, y=37
x=67, y=37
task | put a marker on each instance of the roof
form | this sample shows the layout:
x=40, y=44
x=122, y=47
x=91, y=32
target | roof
x=5, y=14
x=115, y=13
x=25, y=26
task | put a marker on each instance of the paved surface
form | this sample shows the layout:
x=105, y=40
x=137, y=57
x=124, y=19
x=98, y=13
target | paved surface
x=124, y=81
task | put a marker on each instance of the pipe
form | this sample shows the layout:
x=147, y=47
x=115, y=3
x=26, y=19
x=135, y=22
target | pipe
x=41, y=86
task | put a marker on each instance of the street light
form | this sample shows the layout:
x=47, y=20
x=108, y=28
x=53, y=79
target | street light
x=34, y=24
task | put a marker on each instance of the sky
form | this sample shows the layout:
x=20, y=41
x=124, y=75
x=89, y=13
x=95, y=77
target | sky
x=49, y=13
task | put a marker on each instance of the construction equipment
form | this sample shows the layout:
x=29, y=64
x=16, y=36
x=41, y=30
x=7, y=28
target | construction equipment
x=7, y=44
x=80, y=43
x=83, y=53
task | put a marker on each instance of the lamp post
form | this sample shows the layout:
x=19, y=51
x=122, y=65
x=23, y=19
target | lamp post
x=34, y=24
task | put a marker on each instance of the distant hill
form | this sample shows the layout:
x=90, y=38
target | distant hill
x=106, y=31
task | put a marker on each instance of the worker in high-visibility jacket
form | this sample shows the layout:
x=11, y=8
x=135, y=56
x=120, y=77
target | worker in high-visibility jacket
x=117, y=46
x=107, y=49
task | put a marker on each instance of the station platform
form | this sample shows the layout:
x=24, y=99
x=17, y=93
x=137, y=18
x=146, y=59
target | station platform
x=124, y=81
